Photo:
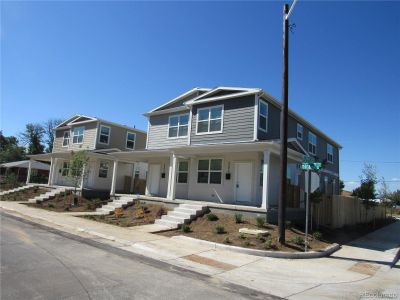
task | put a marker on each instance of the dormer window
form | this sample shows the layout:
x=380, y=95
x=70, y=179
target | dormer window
x=65, y=142
x=178, y=126
x=77, y=137
x=312, y=143
x=263, y=115
x=299, y=131
x=210, y=119
x=104, y=137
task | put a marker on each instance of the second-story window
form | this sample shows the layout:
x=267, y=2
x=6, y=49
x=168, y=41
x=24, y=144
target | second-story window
x=263, y=115
x=300, y=131
x=130, y=140
x=104, y=137
x=312, y=143
x=77, y=137
x=329, y=153
x=178, y=126
x=65, y=139
x=209, y=120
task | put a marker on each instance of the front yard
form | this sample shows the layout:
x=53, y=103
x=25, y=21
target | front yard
x=139, y=213
x=64, y=203
x=224, y=228
x=25, y=195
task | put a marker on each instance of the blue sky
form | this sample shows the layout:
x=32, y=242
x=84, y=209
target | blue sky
x=116, y=60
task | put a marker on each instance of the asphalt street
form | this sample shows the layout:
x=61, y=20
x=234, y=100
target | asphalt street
x=42, y=263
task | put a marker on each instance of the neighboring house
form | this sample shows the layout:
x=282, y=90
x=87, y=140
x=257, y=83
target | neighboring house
x=39, y=170
x=99, y=138
x=222, y=145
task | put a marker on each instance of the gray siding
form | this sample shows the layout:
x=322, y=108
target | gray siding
x=89, y=137
x=238, y=122
x=118, y=138
x=158, y=133
x=273, y=130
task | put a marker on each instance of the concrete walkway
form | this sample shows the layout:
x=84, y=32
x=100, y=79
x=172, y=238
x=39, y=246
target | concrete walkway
x=360, y=267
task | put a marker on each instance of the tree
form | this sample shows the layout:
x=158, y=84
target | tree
x=78, y=170
x=366, y=191
x=48, y=127
x=341, y=186
x=384, y=193
x=9, y=149
x=33, y=138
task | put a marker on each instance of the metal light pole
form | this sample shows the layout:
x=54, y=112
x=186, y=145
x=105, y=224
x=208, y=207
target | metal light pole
x=284, y=123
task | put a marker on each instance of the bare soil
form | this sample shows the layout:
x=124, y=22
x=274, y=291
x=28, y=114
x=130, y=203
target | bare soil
x=64, y=203
x=204, y=229
x=24, y=195
x=138, y=213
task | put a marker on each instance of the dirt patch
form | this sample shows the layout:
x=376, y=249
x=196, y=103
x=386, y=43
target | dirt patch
x=204, y=229
x=364, y=268
x=24, y=195
x=138, y=213
x=64, y=203
x=209, y=262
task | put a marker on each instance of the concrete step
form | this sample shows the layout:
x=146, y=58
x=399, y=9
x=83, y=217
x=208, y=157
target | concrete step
x=183, y=215
x=175, y=219
x=191, y=206
x=104, y=210
x=186, y=210
x=167, y=223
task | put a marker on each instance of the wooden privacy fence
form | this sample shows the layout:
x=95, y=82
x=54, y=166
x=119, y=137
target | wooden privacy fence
x=338, y=211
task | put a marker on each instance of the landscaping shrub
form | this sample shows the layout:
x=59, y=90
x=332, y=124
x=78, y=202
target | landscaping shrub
x=317, y=235
x=238, y=218
x=220, y=229
x=161, y=211
x=268, y=243
x=185, y=228
x=247, y=243
x=260, y=237
x=260, y=221
x=227, y=240
x=242, y=236
x=298, y=240
x=212, y=217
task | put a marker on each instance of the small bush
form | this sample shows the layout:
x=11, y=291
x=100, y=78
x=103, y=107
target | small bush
x=268, y=243
x=227, y=240
x=220, y=229
x=260, y=237
x=260, y=221
x=50, y=205
x=247, y=243
x=238, y=218
x=298, y=240
x=161, y=211
x=212, y=217
x=288, y=224
x=185, y=228
x=242, y=236
x=317, y=235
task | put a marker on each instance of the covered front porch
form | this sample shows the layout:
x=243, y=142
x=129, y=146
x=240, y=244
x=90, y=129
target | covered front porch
x=243, y=175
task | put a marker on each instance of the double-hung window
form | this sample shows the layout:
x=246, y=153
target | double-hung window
x=209, y=120
x=263, y=115
x=103, y=169
x=130, y=140
x=104, y=137
x=183, y=171
x=178, y=126
x=65, y=168
x=65, y=139
x=312, y=143
x=299, y=131
x=77, y=137
x=209, y=171
x=329, y=153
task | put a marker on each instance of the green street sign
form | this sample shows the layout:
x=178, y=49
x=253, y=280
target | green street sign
x=310, y=166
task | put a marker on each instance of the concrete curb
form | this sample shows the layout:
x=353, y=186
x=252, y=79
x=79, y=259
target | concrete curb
x=276, y=254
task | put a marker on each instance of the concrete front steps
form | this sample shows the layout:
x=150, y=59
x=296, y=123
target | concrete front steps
x=121, y=202
x=182, y=214
x=50, y=194
x=19, y=189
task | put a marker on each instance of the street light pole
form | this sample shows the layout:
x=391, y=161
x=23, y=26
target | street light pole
x=284, y=126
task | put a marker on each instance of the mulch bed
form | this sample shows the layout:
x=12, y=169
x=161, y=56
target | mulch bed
x=63, y=203
x=138, y=213
x=24, y=195
x=204, y=229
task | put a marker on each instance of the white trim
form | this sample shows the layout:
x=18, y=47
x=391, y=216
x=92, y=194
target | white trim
x=190, y=126
x=81, y=122
x=255, y=132
x=209, y=170
x=229, y=96
x=108, y=137
x=73, y=135
x=266, y=116
x=220, y=89
x=148, y=133
x=126, y=140
x=114, y=178
x=266, y=179
x=297, y=131
x=179, y=125
x=209, y=119
x=97, y=131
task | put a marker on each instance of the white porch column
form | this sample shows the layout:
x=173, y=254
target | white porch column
x=172, y=178
x=83, y=176
x=51, y=171
x=114, y=178
x=28, y=176
x=265, y=186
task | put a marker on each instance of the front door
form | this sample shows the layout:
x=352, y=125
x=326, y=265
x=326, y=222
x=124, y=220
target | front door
x=243, y=181
x=154, y=177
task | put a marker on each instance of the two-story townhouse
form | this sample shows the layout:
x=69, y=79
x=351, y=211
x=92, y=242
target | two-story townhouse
x=99, y=138
x=222, y=145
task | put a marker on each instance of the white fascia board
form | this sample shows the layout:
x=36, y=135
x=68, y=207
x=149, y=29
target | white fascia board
x=81, y=122
x=65, y=122
x=166, y=111
x=230, y=96
x=219, y=89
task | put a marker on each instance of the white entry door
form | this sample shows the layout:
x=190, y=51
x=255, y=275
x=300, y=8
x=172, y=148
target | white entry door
x=243, y=181
x=154, y=178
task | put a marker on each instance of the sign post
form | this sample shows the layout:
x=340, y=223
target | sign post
x=308, y=165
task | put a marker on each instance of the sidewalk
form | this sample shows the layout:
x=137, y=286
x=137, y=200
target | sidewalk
x=363, y=265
